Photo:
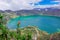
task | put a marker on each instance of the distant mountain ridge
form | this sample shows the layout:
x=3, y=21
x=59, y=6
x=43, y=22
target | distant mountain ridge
x=35, y=11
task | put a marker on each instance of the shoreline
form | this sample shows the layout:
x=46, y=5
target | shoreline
x=39, y=15
x=31, y=16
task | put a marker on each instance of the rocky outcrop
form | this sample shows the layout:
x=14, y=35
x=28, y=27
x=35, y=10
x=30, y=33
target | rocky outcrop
x=36, y=34
x=55, y=36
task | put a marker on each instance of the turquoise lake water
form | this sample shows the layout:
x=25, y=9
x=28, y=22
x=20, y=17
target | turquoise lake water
x=49, y=24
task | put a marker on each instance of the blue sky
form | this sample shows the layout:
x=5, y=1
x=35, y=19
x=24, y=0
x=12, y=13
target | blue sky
x=28, y=4
x=46, y=2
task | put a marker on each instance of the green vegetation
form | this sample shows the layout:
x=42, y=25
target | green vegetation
x=27, y=33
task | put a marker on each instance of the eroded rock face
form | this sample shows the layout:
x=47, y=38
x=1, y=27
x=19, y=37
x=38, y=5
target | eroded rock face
x=55, y=36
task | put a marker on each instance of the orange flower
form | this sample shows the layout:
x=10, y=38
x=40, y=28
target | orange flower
x=18, y=22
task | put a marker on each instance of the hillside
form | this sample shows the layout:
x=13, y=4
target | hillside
x=35, y=11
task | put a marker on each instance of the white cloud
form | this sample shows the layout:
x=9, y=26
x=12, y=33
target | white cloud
x=21, y=4
x=56, y=1
x=48, y=6
x=16, y=4
x=4, y=5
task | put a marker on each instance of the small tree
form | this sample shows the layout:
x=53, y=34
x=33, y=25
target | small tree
x=18, y=31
